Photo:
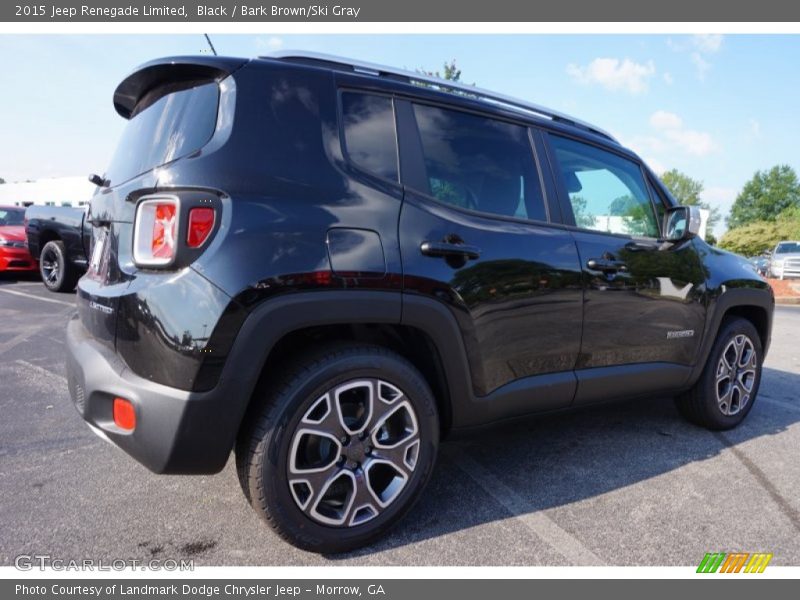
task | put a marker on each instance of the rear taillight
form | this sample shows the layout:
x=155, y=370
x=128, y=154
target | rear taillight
x=155, y=232
x=201, y=222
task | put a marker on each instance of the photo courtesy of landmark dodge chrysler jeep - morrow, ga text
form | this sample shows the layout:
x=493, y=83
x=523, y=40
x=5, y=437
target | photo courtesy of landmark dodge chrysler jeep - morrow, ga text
x=327, y=266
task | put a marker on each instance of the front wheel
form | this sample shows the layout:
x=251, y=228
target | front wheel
x=341, y=448
x=728, y=386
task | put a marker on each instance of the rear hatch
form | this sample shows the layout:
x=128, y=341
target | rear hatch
x=172, y=110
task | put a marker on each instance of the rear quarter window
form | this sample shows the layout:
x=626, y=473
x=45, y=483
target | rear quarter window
x=169, y=128
x=370, y=141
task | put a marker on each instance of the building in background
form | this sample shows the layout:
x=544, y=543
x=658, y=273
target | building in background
x=58, y=191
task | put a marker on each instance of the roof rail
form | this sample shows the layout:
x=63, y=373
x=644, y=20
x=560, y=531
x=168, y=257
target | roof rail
x=377, y=70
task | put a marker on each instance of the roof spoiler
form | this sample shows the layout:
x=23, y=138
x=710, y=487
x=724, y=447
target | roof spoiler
x=173, y=70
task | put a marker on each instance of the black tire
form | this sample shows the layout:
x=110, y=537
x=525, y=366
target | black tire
x=705, y=404
x=58, y=274
x=267, y=441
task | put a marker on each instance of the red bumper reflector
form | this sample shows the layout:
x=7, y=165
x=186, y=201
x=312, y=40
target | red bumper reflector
x=124, y=414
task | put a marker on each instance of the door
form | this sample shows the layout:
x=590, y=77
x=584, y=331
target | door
x=643, y=309
x=474, y=234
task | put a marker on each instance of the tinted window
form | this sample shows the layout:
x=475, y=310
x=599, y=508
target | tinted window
x=479, y=163
x=171, y=127
x=607, y=191
x=369, y=135
x=11, y=216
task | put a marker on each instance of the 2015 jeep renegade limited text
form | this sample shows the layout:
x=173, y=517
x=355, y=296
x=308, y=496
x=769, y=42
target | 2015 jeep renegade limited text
x=326, y=266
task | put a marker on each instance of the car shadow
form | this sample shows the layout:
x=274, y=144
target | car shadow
x=11, y=277
x=554, y=460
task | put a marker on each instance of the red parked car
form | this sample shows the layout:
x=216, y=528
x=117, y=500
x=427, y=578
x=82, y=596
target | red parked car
x=14, y=255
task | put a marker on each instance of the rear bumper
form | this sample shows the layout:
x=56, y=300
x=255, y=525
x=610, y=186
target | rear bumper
x=176, y=431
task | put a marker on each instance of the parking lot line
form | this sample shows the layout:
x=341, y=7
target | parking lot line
x=24, y=295
x=539, y=523
x=37, y=284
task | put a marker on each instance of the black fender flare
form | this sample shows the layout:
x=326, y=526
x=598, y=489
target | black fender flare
x=731, y=298
x=277, y=317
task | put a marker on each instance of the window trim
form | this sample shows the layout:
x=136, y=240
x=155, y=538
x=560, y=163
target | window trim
x=563, y=195
x=349, y=161
x=411, y=128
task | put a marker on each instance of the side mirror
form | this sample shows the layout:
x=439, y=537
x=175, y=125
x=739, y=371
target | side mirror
x=682, y=223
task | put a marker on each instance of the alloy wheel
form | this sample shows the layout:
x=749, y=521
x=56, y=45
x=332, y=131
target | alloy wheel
x=736, y=375
x=51, y=266
x=353, y=452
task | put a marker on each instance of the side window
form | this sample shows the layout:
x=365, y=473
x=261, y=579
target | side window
x=659, y=200
x=480, y=164
x=369, y=133
x=607, y=191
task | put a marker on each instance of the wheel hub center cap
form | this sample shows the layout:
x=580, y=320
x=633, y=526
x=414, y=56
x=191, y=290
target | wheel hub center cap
x=355, y=451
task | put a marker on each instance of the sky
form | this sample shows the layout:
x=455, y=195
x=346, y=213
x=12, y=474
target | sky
x=716, y=107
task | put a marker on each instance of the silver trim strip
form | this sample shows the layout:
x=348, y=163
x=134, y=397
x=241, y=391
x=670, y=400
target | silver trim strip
x=483, y=94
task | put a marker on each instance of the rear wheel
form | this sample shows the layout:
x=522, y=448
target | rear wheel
x=341, y=448
x=727, y=388
x=57, y=273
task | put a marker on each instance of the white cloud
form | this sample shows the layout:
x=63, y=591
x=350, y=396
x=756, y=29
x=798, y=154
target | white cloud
x=696, y=143
x=614, y=74
x=655, y=165
x=721, y=198
x=271, y=43
x=645, y=145
x=701, y=65
x=670, y=138
x=661, y=119
x=699, y=48
x=668, y=79
x=708, y=43
x=755, y=128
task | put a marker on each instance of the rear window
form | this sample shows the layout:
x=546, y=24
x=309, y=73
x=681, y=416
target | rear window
x=11, y=216
x=173, y=126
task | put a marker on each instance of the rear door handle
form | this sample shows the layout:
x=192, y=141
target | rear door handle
x=605, y=265
x=447, y=249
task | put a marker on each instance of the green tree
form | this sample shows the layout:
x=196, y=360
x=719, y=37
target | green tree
x=765, y=196
x=687, y=192
x=752, y=239
x=583, y=218
x=449, y=72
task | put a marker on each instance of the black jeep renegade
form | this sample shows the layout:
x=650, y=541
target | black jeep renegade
x=327, y=266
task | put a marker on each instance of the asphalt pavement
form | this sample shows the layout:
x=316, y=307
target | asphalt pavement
x=618, y=484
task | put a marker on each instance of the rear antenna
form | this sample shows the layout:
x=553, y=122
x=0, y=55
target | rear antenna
x=208, y=39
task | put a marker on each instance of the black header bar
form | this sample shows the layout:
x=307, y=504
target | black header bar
x=440, y=11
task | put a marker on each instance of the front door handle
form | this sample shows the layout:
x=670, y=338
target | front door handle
x=450, y=250
x=606, y=265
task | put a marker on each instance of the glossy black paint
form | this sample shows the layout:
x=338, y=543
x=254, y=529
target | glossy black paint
x=304, y=238
x=518, y=305
x=47, y=223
